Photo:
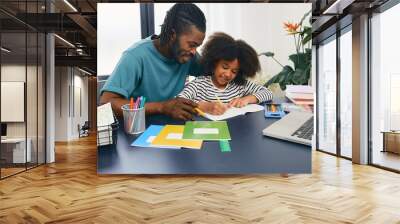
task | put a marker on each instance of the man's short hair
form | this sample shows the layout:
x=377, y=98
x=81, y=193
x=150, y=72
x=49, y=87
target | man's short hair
x=179, y=18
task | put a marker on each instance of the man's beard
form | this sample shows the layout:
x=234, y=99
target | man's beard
x=175, y=50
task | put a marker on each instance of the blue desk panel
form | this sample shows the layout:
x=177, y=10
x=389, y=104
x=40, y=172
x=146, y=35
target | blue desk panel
x=251, y=153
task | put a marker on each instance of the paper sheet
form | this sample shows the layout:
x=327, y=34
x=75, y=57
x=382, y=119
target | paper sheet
x=174, y=136
x=150, y=139
x=206, y=131
x=233, y=112
x=105, y=115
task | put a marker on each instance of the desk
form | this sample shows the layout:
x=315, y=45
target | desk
x=251, y=152
x=391, y=141
x=13, y=150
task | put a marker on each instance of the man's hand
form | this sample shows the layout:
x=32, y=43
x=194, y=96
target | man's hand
x=214, y=108
x=179, y=108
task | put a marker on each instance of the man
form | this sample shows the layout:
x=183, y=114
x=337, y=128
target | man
x=157, y=67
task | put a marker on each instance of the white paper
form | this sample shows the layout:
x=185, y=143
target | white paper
x=202, y=131
x=174, y=136
x=234, y=111
x=104, y=115
x=150, y=139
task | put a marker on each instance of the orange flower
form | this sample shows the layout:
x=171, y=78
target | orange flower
x=291, y=28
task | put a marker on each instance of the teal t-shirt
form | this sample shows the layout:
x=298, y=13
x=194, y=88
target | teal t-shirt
x=143, y=71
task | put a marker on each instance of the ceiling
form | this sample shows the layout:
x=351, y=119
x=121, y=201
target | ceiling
x=75, y=23
x=330, y=15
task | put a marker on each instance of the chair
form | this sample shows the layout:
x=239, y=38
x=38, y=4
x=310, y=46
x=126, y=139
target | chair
x=84, y=130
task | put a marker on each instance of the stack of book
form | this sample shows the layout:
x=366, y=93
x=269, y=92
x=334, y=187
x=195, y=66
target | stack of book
x=301, y=95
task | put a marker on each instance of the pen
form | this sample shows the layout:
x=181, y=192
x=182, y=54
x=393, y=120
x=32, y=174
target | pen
x=138, y=101
x=143, y=102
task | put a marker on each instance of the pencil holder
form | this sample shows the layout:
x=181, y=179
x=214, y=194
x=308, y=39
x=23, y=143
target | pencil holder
x=134, y=120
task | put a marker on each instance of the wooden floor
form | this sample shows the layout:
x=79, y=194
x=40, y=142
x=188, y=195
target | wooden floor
x=70, y=191
x=386, y=159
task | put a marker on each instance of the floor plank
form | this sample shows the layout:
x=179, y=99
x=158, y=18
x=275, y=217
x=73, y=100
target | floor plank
x=70, y=191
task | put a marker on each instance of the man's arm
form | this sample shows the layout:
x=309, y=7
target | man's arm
x=177, y=108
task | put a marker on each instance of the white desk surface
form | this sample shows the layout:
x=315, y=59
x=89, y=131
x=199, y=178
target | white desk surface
x=13, y=140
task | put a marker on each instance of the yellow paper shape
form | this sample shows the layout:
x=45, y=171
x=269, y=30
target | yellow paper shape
x=171, y=135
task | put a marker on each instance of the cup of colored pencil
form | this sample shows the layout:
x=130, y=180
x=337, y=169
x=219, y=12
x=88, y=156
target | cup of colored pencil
x=134, y=116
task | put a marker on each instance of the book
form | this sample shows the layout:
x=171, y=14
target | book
x=146, y=138
x=234, y=111
x=171, y=135
x=206, y=130
x=300, y=94
x=299, y=89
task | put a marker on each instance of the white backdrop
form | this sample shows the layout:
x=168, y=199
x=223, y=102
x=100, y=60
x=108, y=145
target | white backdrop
x=118, y=27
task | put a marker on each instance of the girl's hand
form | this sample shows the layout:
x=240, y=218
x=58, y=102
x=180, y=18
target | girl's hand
x=243, y=101
x=214, y=108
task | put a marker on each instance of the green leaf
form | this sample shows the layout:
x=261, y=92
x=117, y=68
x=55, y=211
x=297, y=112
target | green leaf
x=306, y=38
x=299, y=60
x=282, y=77
x=298, y=75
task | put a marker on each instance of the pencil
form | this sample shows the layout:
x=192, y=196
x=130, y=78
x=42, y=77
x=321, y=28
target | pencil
x=200, y=112
x=219, y=101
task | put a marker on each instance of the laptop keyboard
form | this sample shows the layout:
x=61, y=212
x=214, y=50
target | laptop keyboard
x=306, y=130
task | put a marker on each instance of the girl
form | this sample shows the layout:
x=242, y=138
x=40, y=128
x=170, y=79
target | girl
x=227, y=64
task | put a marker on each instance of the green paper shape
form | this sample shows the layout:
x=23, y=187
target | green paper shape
x=197, y=130
x=224, y=146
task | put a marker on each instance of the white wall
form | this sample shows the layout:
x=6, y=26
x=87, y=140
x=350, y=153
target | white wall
x=259, y=24
x=67, y=115
x=80, y=103
x=33, y=126
x=15, y=72
x=118, y=27
x=61, y=103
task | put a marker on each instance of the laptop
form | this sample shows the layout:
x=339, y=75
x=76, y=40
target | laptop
x=295, y=127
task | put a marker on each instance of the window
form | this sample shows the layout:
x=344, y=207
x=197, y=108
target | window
x=22, y=65
x=346, y=92
x=385, y=85
x=327, y=95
